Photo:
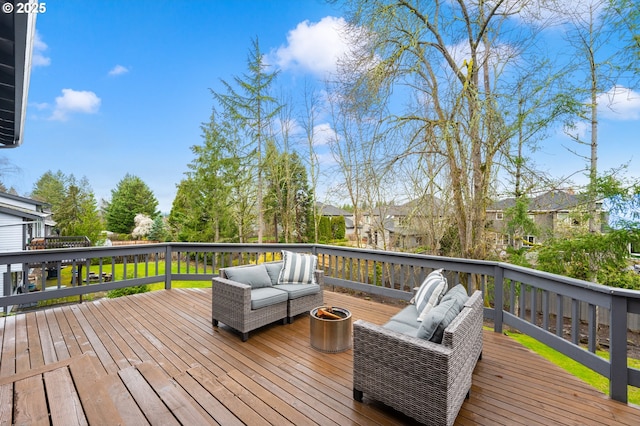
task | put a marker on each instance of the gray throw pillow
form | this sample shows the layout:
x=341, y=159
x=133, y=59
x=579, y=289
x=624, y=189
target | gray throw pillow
x=256, y=276
x=459, y=293
x=439, y=318
x=273, y=269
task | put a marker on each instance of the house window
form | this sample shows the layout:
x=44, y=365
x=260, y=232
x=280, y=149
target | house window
x=499, y=215
x=529, y=240
x=505, y=239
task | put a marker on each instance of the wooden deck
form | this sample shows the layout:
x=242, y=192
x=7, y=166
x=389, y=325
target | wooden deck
x=155, y=359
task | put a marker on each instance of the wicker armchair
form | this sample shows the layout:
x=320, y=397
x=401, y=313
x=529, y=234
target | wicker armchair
x=424, y=380
x=231, y=304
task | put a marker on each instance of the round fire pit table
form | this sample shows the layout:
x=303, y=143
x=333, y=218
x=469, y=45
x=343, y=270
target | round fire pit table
x=331, y=335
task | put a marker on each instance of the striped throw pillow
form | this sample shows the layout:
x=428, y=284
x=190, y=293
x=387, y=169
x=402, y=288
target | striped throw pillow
x=430, y=293
x=297, y=268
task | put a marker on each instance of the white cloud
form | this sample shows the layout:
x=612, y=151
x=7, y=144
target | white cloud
x=500, y=55
x=75, y=101
x=619, y=103
x=312, y=47
x=555, y=13
x=38, y=58
x=326, y=158
x=323, y=134
x=578, y=130
x=39, y=105
x=118, y=70
x=289, y=127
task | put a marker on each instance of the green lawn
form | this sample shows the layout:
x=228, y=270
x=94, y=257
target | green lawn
x=585, y=374
x=118, y=272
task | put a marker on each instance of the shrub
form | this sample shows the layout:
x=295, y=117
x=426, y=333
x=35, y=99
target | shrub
x=338, y=227
x=324, y=229
x=126, y=291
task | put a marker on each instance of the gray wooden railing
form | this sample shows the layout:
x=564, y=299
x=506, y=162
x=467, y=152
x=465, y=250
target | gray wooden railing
x=550, y=308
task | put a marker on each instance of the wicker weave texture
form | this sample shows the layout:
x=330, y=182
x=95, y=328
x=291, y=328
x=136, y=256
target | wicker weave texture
x=307, y=303
x=425, y=380
x=231, y=305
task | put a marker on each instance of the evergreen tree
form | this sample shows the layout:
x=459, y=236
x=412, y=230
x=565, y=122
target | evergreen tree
x=324, y=229
x=184, y=221
x=158, y=231
x=288, y=200
x=204, y=208
x=252, y=109
x=338, y=227
x=130, y=197
x=73, y=204
x=51, y=188
x=78, y=211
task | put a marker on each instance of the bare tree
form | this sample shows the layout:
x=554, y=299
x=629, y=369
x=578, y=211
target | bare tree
x=601, y=76
x=310, y=114
x=453, y=56
x=359, y=149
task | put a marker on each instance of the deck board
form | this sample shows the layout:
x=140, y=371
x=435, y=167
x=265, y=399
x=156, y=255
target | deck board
x=155, y=358
x=63, y=400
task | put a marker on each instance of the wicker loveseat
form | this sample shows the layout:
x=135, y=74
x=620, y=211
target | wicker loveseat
x=246, y=306
x=425, y=380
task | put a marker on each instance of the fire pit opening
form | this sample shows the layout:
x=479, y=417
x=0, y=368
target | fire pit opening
x=330, y=329
x=329, y=313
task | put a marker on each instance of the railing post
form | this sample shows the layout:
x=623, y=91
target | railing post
x=618, y=377
x=498, y=291
x=167, y=267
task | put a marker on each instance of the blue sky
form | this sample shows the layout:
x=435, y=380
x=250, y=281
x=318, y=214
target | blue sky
x=123, y=86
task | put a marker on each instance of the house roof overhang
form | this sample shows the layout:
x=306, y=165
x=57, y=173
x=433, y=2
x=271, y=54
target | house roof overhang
x=26, y=213
x=17, y=34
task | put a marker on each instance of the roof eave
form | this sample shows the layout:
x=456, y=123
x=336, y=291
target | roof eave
x=24, y=37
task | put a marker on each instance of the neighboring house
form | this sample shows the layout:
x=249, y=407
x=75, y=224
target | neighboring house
x=406, y=226
x=332, y=211
x=388, y=226
x=21, y=220
x=555, y=213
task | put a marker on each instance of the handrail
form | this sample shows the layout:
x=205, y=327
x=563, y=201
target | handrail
x=550, y=308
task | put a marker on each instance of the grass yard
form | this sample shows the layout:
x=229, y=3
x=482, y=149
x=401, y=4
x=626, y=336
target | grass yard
x=118, y=273
x=587, y=375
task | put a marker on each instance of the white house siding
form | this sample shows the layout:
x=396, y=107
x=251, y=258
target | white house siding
x=10, y=240
x=11, y=228
x=24, y=204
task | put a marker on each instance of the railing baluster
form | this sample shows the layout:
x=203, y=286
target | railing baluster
x=592, y=323
x=512, y=297
x=575, y=321
x=534, y=307
x=499, y=301
x=545, y=310
x=560, y=316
